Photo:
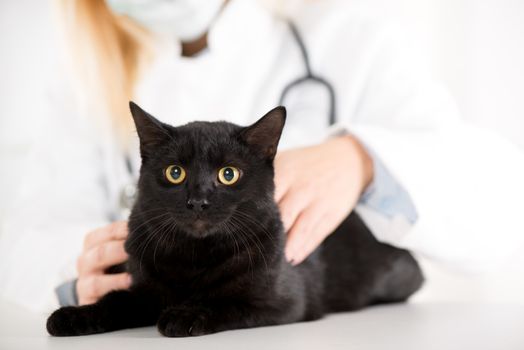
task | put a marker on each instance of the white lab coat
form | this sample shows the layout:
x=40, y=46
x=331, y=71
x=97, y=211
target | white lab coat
x=466, y=183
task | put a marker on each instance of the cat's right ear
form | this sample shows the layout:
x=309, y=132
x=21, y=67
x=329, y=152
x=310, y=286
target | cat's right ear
x=265, y=134
x=151, y=131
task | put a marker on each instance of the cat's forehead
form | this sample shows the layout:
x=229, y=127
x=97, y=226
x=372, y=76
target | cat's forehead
x=208, y=129
x=206, y=134
x=206, y=140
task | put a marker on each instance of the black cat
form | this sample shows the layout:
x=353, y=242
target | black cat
x=206, y=243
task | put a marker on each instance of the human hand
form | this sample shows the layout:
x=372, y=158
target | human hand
x=103, y=248
x=316, y=189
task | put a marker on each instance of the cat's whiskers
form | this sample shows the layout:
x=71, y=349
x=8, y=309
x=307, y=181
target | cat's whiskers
x=229, y=233
x=169, y=221
x=254, y=239
x=237, y=247
x=173, y=229
x=244, y=243
x=251, y=230
x=149, y=239
x=133, y=237
x=253, y=221
x=248, y=217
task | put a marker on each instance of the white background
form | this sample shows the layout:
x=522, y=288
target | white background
x=476, y=47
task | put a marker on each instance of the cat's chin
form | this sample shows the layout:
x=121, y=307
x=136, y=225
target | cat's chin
x=200, y=228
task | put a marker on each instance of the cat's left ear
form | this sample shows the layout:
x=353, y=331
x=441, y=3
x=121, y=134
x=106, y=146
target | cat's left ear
x=265, y=133
x=150, y=130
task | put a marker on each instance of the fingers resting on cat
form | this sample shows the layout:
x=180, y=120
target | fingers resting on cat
x=316, y=188
x=103, y=248
x=94, y=287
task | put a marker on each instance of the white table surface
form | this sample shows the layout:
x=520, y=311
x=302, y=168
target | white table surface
x=420, y=326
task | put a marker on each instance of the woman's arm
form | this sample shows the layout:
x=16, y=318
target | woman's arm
x=464, y=181
x=443, y=188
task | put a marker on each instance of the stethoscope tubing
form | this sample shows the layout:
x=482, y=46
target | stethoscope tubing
x=309, y=77
x=331, y=92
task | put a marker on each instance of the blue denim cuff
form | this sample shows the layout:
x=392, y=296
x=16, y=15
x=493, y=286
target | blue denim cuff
x=385, y=194
x=66, y=293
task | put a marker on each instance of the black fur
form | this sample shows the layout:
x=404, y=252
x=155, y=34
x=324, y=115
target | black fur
x=222, y=267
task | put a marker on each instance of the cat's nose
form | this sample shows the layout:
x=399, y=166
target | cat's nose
x=197, y=204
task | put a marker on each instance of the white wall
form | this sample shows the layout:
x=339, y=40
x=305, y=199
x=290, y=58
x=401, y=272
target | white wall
x=475, y=46
x=478, y=51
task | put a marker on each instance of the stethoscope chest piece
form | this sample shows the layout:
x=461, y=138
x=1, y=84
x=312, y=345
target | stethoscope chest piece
x=128, y=196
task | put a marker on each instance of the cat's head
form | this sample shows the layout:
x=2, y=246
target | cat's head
x=201, y=175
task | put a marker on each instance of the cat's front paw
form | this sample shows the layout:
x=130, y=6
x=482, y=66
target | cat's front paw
x=185, y=322
x=68, y=321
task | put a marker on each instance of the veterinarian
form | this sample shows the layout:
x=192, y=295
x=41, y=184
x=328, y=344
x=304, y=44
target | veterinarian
x=367, y=129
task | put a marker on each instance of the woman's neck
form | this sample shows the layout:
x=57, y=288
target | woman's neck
x=192, y=48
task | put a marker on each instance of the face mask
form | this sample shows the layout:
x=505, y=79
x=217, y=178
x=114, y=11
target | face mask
x=187, y=20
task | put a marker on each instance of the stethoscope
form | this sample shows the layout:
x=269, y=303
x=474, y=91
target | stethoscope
x=309, y=77
x=128, y=192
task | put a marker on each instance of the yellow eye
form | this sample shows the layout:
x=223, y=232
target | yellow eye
x=175, y=174
x=228, y=175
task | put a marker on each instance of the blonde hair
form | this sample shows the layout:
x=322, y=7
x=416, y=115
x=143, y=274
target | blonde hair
x=108, y=52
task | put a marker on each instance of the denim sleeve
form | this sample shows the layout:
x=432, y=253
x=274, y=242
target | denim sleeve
x=66, y=293
x=386, y=196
